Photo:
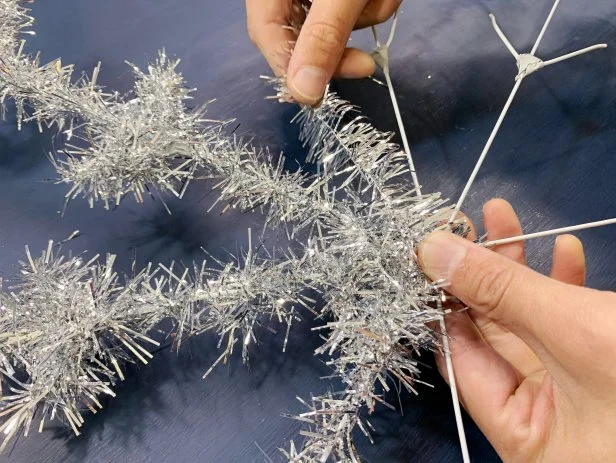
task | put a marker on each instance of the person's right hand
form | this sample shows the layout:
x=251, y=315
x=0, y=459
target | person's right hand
x=535, y=356
x=321, y=50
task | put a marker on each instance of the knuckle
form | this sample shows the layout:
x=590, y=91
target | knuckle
x=490, y=286
x=324, y=37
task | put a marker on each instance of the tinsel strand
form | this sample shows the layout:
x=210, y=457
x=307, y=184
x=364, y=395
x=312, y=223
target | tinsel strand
x=358, y=253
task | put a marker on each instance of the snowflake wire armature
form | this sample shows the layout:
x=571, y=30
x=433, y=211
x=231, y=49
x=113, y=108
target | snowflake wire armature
x=527, y=64
x=381, y=57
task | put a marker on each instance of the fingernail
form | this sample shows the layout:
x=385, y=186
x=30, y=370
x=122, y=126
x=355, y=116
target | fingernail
x=440, y=254
x=309, y=82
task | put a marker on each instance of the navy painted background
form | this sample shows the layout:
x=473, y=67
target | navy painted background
x=554, y=160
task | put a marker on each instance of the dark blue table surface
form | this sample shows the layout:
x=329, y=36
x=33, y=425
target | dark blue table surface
x=554, y=160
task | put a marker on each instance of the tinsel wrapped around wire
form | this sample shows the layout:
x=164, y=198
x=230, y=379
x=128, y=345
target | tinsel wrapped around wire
x=360, y=224
x=62, y=329
x=116, y=144
x=69, y=327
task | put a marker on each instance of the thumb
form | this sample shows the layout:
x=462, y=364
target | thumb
x=536, y=308
x=320, y=46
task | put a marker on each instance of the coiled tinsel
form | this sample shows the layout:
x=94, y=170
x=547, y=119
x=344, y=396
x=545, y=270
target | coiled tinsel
x=71, y=324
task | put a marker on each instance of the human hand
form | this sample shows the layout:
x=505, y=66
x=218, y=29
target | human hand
x=320, y=52
x=534, y=356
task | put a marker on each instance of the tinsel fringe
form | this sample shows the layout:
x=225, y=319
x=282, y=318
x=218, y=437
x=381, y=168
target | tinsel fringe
x=70, y=325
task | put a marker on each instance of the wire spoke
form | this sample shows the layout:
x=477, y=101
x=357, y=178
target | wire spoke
x=527, y=64
x=381, y=55
x=556, y=231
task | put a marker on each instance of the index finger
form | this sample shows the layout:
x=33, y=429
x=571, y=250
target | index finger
x=268, y=22
x=501, y=221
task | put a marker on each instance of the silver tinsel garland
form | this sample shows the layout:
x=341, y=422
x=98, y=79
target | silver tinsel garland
x=69, y=327
x=358, y=221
